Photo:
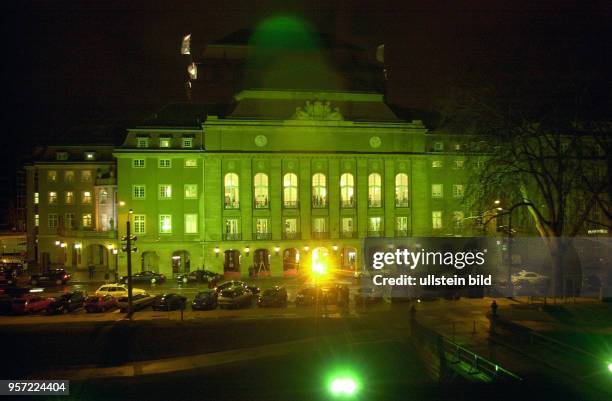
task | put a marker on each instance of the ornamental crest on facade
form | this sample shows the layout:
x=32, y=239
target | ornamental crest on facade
x=317, y=110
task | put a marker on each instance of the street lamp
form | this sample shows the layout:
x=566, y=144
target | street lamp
x=277, y=250
x=217, y=250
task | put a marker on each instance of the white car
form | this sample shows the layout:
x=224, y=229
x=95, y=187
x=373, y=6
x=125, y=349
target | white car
x=529, y=277
x=117, y=290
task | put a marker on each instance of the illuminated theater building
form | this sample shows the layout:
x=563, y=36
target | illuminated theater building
x=274, y=180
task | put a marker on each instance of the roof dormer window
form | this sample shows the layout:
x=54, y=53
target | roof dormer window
x=165, y=142
x=61, y=156
x=90, y=155
x=142, y=142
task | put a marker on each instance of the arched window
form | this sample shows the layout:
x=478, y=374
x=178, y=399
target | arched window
x=290, y=190
x=232, y=191
x=401, y=190
x=319, y=190
x=374, y=190
x=261, y=190
x=347, y=190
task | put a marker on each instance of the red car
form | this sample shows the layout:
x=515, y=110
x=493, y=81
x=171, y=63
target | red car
x=100, y=303
x=30, y=304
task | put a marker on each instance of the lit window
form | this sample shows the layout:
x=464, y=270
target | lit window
x=347, y=190
x=165, y=224
x=374, y=190
x=401, y=225
x=61, y=156
x=261, y=189
x=231, y=191
x=164, y=142
x=52, y=198
x=87, y=221
x=36, y=220
x=165, y=191
x=187, y=142
x=436, y=219
x=69, y=176
x=191, y=191
x=458, y=219
x=138, y=192
x=36, y=198
x=290, y=226
x=347, y=225
x=401, y=190
x=438, y=146
x=52, y=176
x=457, y=146
x=458, y=191
x=52, y=220
x=319, y=190
x=86, y=197
x=436, y=163
x=70, y=223
x=142, y=142
x=459, y=164
x=437, y=190
x=103, y=196
x=138, y=163
x=231, y=228
x=190, y=163
x=374, y=226
x=165, y=163
x=139, y=224
x=86, y=176
x=290, y=190
x=69, y=198
x=262, y=226
x=319, y=225
x=90, y=155
x=191, y=224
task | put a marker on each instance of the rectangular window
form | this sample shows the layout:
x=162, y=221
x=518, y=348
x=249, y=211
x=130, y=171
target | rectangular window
x=61, y=156
x=191, y=163
x=69, y=198
x=52, y=176
x=187, y=142
x=232, y=229
x=138, y=192
x=191, y=224
x=139, y=224
x=436, y=163
x=262, y=226
x=347, y=227
x=438, y=147
x=165, y=191
x=437, y=190
x=165, y=224
x=52, y=198
x=436, y=219
x=459, y=163
x=457, y=146
x=401, y=226
x=36, y=198
x=87, y=221
x=319, y=225
x=52, y=220
x=458, y=219
x=458, y=191
x=290, y=226
x=374, y=226
x=90, y=155
x=164, y=142
x=165, y=163
x=70, y=223
x=138, y=163
x=69, y=176
x=86, y=197
x=85, y=176
x=142, y=142
x=191, y=191
x=36, y=220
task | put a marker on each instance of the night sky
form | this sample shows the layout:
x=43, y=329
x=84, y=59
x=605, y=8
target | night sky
x=106, y=64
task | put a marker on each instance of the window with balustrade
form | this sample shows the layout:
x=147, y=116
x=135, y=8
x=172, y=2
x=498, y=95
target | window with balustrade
x=374, y=190
x=290, y=191
x=261, y=191
x=319, y=191
x=401, y=190
x=231, y=191
x=347, y=190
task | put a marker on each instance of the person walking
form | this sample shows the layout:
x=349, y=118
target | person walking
x=494, y=309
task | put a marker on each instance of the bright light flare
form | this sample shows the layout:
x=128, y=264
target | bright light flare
x=343, y=386
x=610, y=367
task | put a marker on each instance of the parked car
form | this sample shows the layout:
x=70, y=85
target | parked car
x=100, y=303
x=525, y=276
x=30, y=304
x=233, y=283
x=54, y=276
x=308, y=296
x=366, y=296
x=235, y=297
x=170, y=302
x=200, y=276
x=204, y=300
x=145, y=277
x=139, y=302
x=275, y=296
x=67, y=302
x=118, y=290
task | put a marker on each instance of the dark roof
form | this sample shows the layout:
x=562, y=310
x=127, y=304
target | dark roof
x=183, y=115
x=242, y=37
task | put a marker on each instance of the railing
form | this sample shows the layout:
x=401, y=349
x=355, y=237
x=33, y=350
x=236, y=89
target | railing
x=320, y=235
x=374, y=233
x=262, y=236
x=347, y=203
x=291, y=235
x=402, y=203
x=261, y=204
x=402, y=233
x=291, y=204
x=232, y=236
x=348, y=234
x=319, y=203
